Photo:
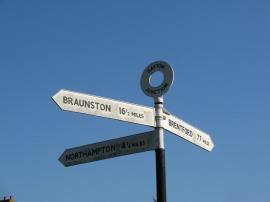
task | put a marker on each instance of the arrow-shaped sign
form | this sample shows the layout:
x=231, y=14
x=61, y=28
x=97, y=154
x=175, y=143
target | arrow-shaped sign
x=187, y=132
x=104, y=107
x=111, y=148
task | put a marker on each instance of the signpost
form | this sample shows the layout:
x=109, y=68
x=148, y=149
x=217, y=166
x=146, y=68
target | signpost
x=157, y=94
x=156, y=117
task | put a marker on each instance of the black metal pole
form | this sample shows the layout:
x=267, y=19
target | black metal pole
x=160, y=175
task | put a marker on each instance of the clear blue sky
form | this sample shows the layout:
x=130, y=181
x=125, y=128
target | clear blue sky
x=220, y=54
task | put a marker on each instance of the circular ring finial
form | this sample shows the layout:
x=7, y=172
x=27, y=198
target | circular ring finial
x=159, y=91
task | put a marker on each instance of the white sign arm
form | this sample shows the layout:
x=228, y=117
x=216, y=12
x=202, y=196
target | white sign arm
x=187, y=132
x=104, y=107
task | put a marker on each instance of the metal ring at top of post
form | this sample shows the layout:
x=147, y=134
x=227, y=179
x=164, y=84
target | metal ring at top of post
x=159, y=91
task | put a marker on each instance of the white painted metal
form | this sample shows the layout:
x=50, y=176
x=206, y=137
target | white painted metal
x=188, y=132
x=104, y=107
x=159, y=122
x=111, y=148
x=160, y=90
